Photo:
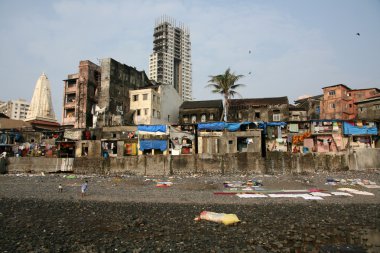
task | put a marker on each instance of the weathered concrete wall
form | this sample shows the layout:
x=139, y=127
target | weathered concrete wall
x=39, y=164
x=211, y=164
x=365, y=158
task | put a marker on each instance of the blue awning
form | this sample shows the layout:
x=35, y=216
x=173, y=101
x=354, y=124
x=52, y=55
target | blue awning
x=211, y=126
x=152, y=128
x=153, y=144
x=214, y=126
x=349, y=129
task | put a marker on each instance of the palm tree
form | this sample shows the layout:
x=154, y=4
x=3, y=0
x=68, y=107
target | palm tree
x=225, y=84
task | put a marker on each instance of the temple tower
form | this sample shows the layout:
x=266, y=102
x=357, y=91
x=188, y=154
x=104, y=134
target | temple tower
x=41, y=107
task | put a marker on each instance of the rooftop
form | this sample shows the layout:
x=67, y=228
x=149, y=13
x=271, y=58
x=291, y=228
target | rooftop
x=260, y=101
x=202, y=104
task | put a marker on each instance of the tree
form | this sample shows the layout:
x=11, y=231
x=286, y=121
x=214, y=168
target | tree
x=225, y=84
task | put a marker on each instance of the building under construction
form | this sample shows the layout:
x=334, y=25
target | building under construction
x=170, y=62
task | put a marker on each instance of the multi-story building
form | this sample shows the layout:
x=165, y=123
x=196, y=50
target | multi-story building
x=98, y=96
x=80, y=95
x=259, y=109
x=15, y=109
x=157, y=104
x=200, y=111
x=170, y=62
x=311, y=104
x=339, y=101
x=369, y=109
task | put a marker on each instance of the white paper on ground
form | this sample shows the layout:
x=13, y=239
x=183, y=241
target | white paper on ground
x=354, y=191
x=371, y=186
x=341, y=194
x=251, y=195
x=320, y=194
x=311, y=197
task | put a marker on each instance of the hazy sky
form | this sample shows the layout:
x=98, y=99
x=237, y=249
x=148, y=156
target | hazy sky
x=297, y=47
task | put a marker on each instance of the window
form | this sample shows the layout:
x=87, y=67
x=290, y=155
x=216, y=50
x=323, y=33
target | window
x=193, y=118
x=138, y=112
x=153, y=113
x=277, y=117
x=331, y=92
x=158, y=115
x=135, y=97
x=203, y=118
x=145, y=96
x=240, y=116
x=350, y=105
x=185, y=118
x=154, y=97
x=146, y=111
x=257, y=115
x=211, y=116
x=332, y=106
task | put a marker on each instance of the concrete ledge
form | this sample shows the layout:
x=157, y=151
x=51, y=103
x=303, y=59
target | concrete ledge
x=212, y=164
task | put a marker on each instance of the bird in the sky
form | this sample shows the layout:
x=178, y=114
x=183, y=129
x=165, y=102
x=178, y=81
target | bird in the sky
x=249, y=51
x=249, y=73
x=358, y=34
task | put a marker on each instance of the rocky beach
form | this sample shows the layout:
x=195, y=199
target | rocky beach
x=131, y=214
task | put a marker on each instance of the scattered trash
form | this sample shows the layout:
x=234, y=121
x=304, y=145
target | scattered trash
x=320, y=194
x=354, y=191
x=226, y=219
x=241, y=184
x=341, y=194
x=71, y=176
x=249, y=195
x=356, y=181
x=164, y=184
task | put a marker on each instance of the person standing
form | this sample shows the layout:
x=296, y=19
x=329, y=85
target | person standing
x=84, y=188
x=3, y=163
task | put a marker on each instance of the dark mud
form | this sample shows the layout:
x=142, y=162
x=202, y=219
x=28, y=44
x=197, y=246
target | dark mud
x=29, y=225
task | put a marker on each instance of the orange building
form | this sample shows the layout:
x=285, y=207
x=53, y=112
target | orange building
x=338, y=101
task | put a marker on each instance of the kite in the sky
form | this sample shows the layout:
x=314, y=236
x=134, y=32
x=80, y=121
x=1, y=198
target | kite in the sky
x=358, y=34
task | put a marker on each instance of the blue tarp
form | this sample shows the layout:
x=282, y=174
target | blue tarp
x=232, y=127
x=153, y=144
x=349, y=129
x=211, y=126
x=276, y=123
x=152, y=128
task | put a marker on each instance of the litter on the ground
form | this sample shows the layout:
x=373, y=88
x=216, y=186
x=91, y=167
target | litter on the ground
x=164, y=184
x=320, y=194
x=249, y=195
x=354, y=191
x=226, y=219
x=342, y=194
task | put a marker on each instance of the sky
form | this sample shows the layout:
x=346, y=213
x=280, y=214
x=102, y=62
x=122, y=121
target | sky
x=297, y=46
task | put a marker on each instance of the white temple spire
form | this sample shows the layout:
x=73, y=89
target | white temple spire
x=41, y=106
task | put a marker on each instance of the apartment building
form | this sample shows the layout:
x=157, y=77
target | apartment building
x=340, y=102
x=170, y=62
x=15, y=109
x=157, y=104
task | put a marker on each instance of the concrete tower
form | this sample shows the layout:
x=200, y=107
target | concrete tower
x=41, y=108
x=170, y=62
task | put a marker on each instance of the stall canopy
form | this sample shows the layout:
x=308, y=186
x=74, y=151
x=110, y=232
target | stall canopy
x=152, y=128
x=153, y=144
x=349, y=129
x=215, y=126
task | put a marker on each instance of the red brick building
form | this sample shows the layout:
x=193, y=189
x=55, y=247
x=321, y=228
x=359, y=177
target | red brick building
x=339, y=101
